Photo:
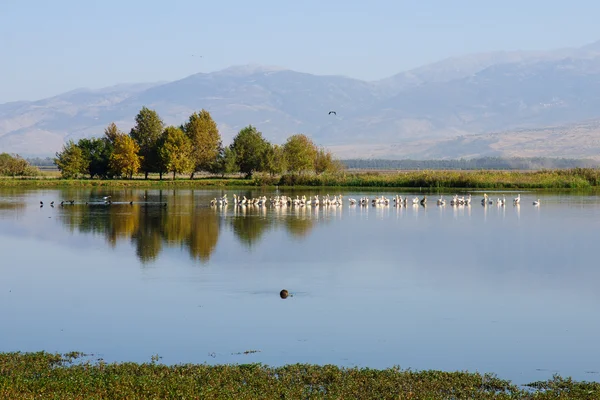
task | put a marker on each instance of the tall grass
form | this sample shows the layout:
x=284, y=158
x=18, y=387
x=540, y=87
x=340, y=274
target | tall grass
x=576, y=178
x=55, y=376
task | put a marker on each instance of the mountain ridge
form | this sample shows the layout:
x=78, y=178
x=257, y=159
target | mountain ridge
x=475, y=94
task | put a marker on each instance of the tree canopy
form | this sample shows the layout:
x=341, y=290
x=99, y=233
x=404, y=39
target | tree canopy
x=71, y=160
x=124, y=160
x=175, y=151
x=205, y=140
x=249, y=147
x=146, y=133
x=193, y=146
x=300, y=153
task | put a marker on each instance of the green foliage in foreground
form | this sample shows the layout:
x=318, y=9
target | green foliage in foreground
x=56, y=376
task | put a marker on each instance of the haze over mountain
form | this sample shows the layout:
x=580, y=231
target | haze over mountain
x=508, y=100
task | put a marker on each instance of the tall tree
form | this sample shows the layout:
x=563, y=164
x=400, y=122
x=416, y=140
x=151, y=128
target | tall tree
x=275, y=160
x=146, y=133
x=124, y=160
x=325, y=162
x=97, y=154
x=111, y=133
x=175, y=150
x=226, y=162
x=300, y=153
x=249, y=147
x=71, y=161
x=205, y=139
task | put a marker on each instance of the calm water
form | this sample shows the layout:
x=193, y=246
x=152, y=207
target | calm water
x=509, y=290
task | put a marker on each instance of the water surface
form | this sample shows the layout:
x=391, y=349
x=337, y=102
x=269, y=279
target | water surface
x=509, y=290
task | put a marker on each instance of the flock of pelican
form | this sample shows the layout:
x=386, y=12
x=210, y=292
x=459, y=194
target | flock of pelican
x=398, y=201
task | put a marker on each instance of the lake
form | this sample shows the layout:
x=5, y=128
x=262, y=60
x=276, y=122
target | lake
x=511, y=290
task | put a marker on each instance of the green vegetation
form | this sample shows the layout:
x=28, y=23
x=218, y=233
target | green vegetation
x=70, y=376
x=576, y=178
x=193, y=147
x=15, y=166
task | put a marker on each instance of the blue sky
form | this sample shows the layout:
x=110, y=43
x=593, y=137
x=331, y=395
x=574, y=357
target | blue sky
x=49, y=47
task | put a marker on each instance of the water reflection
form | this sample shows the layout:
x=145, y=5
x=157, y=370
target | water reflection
x=423, y=287
x=185, y=222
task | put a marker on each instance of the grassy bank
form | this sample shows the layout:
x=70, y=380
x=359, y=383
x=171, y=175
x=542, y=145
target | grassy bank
x=576, y=178
x=55, y=376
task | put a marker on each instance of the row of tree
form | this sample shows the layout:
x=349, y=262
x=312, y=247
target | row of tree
x=13, y=165
x=152, y=147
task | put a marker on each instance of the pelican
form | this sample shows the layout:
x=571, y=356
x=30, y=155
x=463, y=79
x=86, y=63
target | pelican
x=517, y=199
x=536, y=202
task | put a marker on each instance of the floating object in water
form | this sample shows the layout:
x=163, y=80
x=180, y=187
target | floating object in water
x=284, y=294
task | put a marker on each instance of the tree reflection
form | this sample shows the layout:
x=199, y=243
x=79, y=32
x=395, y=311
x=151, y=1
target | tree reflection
x=147, y=238
x=249, y=224
x=159, y=220
x=204, y=236
x=149, y=226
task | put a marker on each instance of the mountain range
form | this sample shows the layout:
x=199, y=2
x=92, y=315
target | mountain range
x=521, y=103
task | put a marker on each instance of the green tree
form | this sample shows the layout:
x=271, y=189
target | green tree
x=325, y=162
x=205, y=140
x=97, y=154
x=226, y=162
x=111, y=133
x=175, y=150
x=16, y=166
x=147, y=133
x=249, y=147
x=300, y=153
x=71, y=161
x=229, y=161
x=124, y=160
x=275, y=162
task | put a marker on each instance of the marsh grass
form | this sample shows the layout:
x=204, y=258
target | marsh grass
x=576, y=178
x=72, y=376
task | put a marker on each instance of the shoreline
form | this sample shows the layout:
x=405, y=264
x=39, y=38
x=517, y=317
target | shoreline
x=428, y=180
x=76, y=375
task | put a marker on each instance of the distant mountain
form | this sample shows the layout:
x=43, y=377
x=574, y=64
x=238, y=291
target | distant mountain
x=578, y=141
x=429, y=106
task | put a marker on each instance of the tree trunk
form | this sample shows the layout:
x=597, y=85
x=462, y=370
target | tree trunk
x=173, y=175
x=146, y=175
x=192, y=175
x=160, y=175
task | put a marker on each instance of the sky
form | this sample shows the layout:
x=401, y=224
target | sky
x=50, y=47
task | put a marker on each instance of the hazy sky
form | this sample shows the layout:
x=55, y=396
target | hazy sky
x=49, y=47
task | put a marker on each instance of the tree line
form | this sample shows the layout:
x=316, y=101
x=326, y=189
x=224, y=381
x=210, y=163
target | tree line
x=196, y=145
x=487, y=163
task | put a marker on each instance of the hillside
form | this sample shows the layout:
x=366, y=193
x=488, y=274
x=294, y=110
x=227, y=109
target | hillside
x=431, y=111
